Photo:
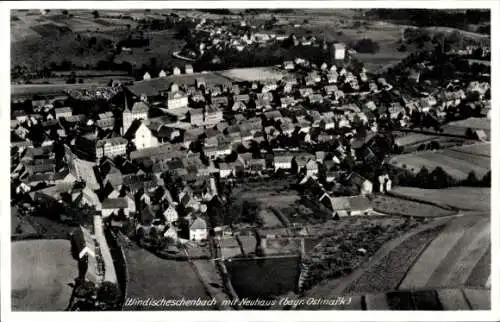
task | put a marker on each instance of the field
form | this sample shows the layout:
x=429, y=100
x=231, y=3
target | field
x=37, y=40
x=474, y=123
x=482, y=149
x=41, y=272
x=451, y=256
x=152, y=277
x=47, y=89
x=397, y=206
x=338, y=253
x=272, y=198
x=454, y=162
x=465, y=198
x=253, y=74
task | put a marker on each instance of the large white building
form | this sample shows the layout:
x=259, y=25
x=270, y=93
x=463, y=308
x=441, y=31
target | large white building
x=111, y=147
x=141, y=136
x=138, y=112
x=339, y=51
x=177, y=99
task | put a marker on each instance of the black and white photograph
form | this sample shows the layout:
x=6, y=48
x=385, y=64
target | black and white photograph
x=263, y=159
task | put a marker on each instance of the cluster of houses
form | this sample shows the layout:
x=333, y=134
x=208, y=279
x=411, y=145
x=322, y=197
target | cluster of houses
x=180, y=136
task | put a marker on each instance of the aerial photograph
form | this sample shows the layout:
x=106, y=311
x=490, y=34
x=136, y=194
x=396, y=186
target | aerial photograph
x=250, y=159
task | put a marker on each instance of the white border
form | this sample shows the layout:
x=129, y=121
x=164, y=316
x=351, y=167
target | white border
x=493, y=315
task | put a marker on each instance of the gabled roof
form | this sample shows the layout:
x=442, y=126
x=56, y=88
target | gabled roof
x=198, y=223
x=117, y=203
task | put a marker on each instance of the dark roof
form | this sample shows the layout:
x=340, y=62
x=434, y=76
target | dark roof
x=120, y=203
x=146, y=216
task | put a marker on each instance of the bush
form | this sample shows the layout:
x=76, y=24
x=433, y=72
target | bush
x=366, y=46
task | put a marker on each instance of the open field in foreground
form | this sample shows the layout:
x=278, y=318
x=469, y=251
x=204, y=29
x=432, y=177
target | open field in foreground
x=466, y=198
x=152, y=277
x=41, y=272
x=450, y=256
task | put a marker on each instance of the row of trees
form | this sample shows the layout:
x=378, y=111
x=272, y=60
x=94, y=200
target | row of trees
x=436, y=179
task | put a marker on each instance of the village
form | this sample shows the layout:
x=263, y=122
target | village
x=242, y=163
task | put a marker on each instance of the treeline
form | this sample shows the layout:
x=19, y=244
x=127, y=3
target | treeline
x=436, y=179
x=429, y=17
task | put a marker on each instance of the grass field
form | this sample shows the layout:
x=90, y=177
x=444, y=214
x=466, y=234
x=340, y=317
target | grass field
x=481, y=149
x=152, y=277
x=466, y=198
x=451, y=258
x=397, y=206
x=41, y=271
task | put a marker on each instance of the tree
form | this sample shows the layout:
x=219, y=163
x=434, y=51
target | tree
x=472, y=179
x=366, y=45
x=95, y=13
x=108, y=295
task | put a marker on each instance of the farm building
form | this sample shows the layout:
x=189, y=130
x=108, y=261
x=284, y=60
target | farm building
x=346, y=206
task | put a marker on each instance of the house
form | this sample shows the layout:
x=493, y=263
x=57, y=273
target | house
x=162, y=73
x=63, y=112
x=220, y=100
x=114, y=207
x=304, y=92
x=241, y=98
x=256, y=165
x=146, y=76
x=327, y=123
x=315, y=98
x=225, y=170
x=364, y=185
x=287, y=101
x=238, y=106
x=139, y=111
x=111, y=147
x=170, y=214
x=346, y=206
x=176, y=70
x=141, y=136
x=385, y=183
x=311, y=168
x=177, y=99
x=198, y=230
x=196, y=117
x=283, y=162
x=188, y=69
x=288, y=65
x=213, y=115
x=218, y=151
x=339, y=51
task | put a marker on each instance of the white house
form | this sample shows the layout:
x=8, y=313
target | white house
x=111, y=147
x=177, y=99
x=283, y=162
x=177, y=70
x=141, y=136
x=385, y=183
x=198, y=230
x=138, y=112
x=188, y=69
x=146, y=76
x=171, y=214
x=339, y=51
x=162, y=73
